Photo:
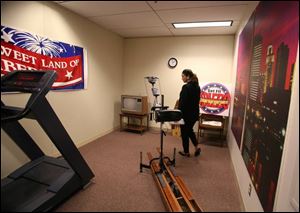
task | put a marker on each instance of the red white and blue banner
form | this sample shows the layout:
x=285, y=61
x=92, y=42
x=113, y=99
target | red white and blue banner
x=24, y=51
x=214, y=99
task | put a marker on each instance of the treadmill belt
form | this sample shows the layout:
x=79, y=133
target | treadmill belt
x=45, y=173
x=20, y=193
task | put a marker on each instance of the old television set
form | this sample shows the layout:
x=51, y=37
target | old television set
x=131, y=104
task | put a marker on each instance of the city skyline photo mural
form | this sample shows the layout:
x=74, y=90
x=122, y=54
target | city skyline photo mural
x=273, y=56
x=242, y=79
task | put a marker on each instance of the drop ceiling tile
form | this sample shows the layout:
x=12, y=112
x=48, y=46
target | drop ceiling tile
x=137, y=18
x=211, y=31
x=203, y=14
x=132, y=20
x=167, y=5
x=101, y=8
x=144, y=32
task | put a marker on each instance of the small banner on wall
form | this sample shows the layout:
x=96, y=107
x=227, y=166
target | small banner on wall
x=215, y=99
x=24, y=51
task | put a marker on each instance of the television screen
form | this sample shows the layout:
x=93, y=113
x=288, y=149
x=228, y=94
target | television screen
x=134, y=104
x=130, y=104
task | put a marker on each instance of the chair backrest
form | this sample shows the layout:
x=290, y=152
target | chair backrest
x=210, y=117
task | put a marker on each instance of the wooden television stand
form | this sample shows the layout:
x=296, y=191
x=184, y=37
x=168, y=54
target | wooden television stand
x=135, y=127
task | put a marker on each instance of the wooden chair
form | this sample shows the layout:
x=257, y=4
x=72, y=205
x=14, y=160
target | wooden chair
x=212, y=123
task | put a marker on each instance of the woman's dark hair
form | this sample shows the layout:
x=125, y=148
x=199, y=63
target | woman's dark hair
x=192, y=76
x=195, y=79
x=188, y=73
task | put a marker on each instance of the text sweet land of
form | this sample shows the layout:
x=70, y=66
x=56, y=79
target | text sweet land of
x=24, y=51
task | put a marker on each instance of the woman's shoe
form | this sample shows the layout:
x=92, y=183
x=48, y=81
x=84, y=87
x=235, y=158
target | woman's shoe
x=184, y=154
x=197, y=152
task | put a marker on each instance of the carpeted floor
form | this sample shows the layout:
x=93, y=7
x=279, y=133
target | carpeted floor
x=118, y=185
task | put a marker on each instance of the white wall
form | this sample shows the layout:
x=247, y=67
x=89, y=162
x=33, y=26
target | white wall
x=86, y=114
x=210, y=57
x=288, y=185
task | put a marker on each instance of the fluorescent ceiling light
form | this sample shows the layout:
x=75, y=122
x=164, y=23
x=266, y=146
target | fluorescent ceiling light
x=203, y=24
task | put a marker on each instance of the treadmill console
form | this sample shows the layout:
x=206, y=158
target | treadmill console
x=28, y=81
x=38, y=83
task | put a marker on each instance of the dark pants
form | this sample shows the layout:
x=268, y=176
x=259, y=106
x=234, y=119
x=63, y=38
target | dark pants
x=187, y=133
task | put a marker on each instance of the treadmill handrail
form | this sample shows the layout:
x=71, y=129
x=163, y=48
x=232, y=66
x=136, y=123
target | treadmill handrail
x=12, y=113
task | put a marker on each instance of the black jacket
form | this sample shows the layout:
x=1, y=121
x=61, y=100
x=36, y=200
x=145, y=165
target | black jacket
x=189, y=101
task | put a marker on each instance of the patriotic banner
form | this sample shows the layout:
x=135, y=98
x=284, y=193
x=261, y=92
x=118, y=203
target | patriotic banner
x=214, y=99
x=24, y=51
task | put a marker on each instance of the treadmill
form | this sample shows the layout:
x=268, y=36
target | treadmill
x=44, y=182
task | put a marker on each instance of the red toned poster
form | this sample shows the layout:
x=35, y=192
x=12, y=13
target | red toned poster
x=274, y=46
x=242, y=79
